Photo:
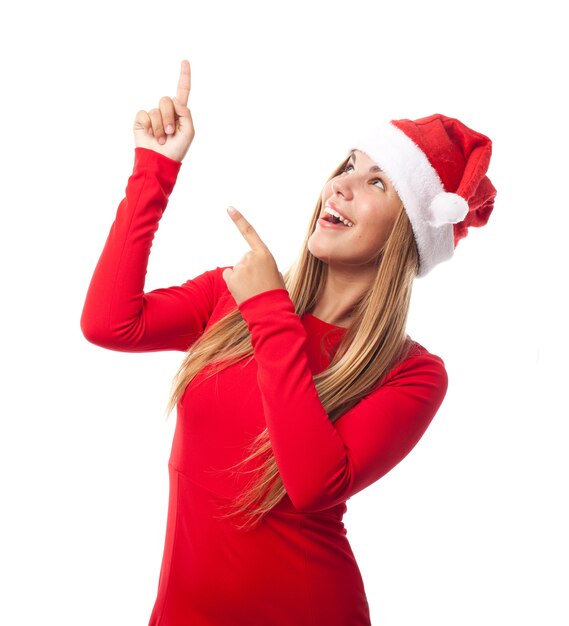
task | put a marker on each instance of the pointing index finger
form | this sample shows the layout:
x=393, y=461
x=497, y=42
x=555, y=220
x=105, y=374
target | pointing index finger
x=248, y=232
x=184, y=83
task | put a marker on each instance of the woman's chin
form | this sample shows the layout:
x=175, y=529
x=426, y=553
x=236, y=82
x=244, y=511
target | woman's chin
x=316, y=250
x=320, y=254
x=321, y=249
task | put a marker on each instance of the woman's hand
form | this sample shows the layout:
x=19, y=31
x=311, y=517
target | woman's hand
x=169, y=129
x=257, y=271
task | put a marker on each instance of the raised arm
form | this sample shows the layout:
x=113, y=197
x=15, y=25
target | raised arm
x=117, y=314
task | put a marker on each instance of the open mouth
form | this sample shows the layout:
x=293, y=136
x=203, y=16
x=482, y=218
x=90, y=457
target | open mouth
x=336, y=221
x=332, y=215
x=333, y=220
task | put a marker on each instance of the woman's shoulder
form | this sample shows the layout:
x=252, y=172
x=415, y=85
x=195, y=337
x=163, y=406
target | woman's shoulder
x=417, y=349
x=418, y=361
x=213, y=279
x=225, y=302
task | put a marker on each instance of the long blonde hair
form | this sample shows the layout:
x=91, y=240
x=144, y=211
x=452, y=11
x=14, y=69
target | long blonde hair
x=373, y=344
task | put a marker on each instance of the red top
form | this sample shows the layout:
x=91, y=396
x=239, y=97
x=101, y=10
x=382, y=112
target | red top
x=297, y=566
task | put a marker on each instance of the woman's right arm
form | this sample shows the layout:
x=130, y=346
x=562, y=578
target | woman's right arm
x=117, y=314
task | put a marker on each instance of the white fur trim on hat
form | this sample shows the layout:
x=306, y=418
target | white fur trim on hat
x=420, y=189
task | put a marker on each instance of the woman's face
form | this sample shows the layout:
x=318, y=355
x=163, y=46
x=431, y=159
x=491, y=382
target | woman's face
x=362, y=194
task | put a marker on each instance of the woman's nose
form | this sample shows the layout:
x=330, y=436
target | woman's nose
x=343, y=187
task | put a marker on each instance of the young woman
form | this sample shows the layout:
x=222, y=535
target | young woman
x=296, y=391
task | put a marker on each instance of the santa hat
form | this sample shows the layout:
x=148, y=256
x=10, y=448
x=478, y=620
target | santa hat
x=438, y=167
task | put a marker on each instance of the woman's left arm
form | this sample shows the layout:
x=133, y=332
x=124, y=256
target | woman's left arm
x=322, y=464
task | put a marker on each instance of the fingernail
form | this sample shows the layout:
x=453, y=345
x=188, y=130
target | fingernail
x=169, y=128
x=231, y=210
x=162, y=141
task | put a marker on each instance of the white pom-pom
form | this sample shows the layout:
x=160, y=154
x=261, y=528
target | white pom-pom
x=447, y=208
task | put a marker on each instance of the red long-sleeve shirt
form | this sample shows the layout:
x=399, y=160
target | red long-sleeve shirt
x=297, y=566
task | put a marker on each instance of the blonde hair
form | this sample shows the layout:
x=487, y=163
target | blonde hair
x=373, y=344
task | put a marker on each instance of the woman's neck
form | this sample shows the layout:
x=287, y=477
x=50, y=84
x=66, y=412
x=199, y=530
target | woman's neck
x=342, y=291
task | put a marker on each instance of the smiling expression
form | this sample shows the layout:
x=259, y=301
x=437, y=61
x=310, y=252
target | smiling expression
x=363, y=196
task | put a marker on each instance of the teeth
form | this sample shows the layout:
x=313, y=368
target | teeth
x=336, y=214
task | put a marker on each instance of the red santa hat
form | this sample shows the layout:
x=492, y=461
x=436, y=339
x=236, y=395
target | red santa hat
x=438, y=167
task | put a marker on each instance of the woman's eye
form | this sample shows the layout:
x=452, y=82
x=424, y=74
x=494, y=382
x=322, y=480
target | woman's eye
x=349, y=166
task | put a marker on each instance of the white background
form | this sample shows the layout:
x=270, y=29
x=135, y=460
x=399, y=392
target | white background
x=470, y=528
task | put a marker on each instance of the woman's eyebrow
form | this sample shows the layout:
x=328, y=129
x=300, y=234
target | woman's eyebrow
x=373, y=168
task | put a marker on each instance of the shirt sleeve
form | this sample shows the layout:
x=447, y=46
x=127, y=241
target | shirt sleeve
x=117, y=314
x=322, y=463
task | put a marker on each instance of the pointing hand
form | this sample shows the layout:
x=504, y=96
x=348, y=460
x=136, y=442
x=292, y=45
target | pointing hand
x=257, y=271
x=169, y=129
